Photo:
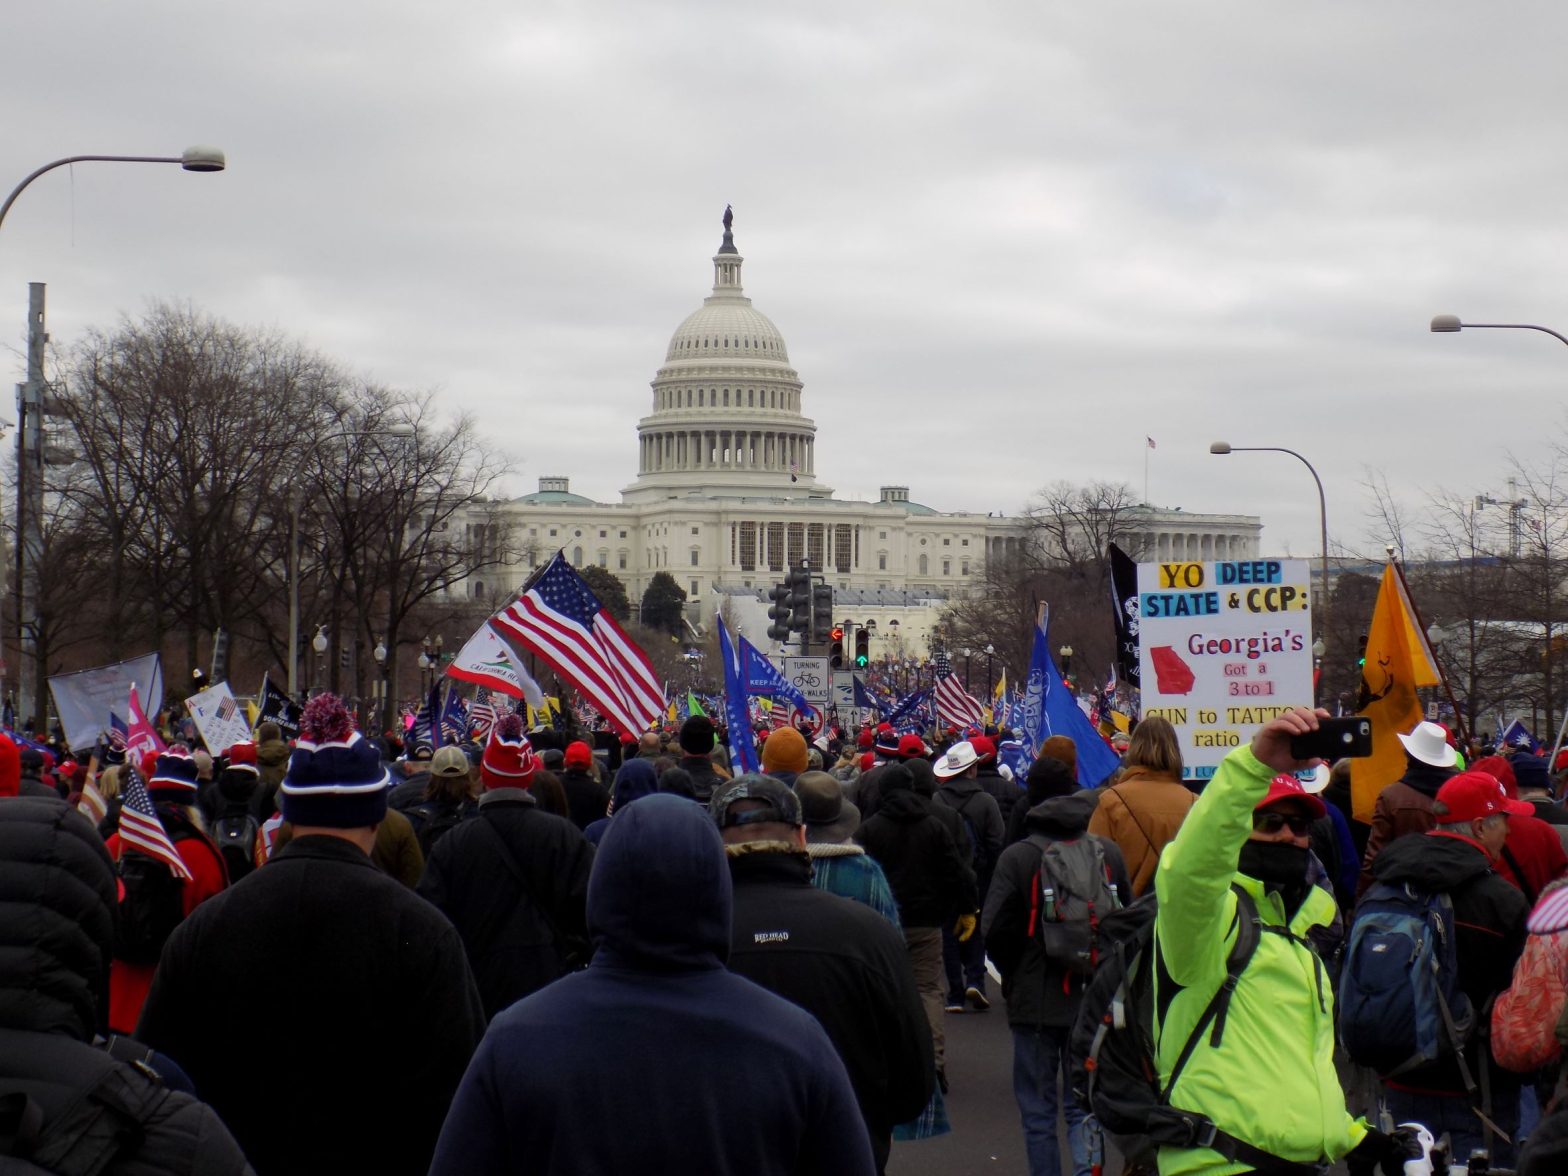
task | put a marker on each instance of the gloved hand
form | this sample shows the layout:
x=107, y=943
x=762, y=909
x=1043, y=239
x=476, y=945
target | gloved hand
x=964, y=928
x=1385, y=1154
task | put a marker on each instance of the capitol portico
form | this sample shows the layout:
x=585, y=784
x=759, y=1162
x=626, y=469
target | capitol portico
x=726, y=496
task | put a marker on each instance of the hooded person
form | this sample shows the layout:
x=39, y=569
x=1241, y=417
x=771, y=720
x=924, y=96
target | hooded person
x=337, y=954
x=58, y=888
x=636, y=779
x=658, y=999
x=235, y=829
x=1534, y=784
x=838, y=960
x=1405, y=806
x=513, y=880
x=171, y=787
x=272, y=762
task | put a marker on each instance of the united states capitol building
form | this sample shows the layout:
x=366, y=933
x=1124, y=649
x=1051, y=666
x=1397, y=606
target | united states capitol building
x=727, y=497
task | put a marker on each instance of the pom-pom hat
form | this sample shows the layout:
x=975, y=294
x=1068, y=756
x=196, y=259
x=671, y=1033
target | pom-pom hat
x=173, y=771
x=335, y=777
x=509, y=760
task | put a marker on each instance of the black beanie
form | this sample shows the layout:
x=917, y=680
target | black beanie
x=697, y=735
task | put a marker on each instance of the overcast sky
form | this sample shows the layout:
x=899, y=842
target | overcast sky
x=1004, y=242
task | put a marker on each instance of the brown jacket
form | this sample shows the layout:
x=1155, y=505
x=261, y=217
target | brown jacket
x=1400, y=809
x=1141, y=813
x=396, y=851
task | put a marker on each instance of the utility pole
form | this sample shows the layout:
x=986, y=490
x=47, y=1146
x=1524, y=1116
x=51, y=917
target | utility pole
x=31, y=672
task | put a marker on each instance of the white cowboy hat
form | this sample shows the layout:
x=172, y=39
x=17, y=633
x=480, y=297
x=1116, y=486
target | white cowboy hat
x=958, y=760
x=1429, y=744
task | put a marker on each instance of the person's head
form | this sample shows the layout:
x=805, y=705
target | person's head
x=985, y=749
x=1285, y=814
x=922, y=775
x=335, y=782
x=578, y=757
x=896, y=777
x=449, y=776
x=754, y=807
x=60, y=907
x=784, y=751
x=912, y=747
x=545, y=788
x=660, y=894
x=240, y=777
x=1120, y=742
x=509, y=760
x=1427, y=743
x=269, y=732
x=958, y=760
x=174, y=777
x=1473, y=805
x=1060, y=747
x=678, y=781
x=635, y=780
x=203, y=763
x=1530, y=774
x=1048, y=777
x=697, y=735
x=830, y=819
x=649, y=746
x=1154, y=746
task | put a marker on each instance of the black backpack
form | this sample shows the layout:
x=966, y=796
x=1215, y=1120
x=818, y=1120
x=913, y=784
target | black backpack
x=235, y=835
x=1114, y=1073
x=979, y=859
x=151, y=898
x=433, y=821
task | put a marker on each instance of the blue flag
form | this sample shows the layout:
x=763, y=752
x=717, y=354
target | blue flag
x=764, y=680
x=742, y=746
x=1518, y=735
x=864, y=698
x=909, y=707
x=1050, y=709
x=454, y=720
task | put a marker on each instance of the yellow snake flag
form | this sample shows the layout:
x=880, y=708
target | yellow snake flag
x=1398, y=660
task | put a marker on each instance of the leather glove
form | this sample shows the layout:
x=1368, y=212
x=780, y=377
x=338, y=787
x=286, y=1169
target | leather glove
x=964, y=928
x=1386, y=1154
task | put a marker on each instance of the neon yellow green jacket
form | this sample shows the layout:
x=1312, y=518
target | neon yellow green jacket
x=1271, y=1082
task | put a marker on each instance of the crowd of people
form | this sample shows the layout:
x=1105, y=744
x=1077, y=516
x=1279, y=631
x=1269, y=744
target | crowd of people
x=525, y=952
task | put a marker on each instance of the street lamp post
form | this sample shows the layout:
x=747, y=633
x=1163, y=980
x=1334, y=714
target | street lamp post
x=967, y=652
x=1066, y=654
x=380, y=707
x=1224, y=447
x=30, y=410
x=990, y=682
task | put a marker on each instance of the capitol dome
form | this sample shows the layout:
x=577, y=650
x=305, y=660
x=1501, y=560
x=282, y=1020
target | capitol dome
x=726, y=413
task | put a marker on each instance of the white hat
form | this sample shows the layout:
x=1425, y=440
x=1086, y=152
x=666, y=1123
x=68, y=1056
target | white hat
x=1429, y=744
x=958, y=760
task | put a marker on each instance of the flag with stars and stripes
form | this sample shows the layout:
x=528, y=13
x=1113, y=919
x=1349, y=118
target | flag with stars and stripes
x=955, y=707
x=140, y=828
x=482, y=714
x=559, y=619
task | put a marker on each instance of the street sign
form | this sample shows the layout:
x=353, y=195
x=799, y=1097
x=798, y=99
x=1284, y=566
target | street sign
x=843, y=689
x=811, y=676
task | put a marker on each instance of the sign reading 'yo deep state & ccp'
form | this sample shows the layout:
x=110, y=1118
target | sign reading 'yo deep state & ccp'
x=1223, y=648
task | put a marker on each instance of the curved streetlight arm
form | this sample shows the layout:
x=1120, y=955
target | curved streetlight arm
x=1453, y=324
x=183, y=160
x=1322, y=499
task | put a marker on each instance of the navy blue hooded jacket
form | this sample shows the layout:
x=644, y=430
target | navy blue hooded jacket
x=636, y=779
x=655, y=1059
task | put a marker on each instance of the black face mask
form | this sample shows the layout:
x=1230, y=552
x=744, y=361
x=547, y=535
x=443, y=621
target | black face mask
x=1277, y=864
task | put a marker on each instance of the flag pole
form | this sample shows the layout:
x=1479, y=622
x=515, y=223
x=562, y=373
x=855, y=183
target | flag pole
x=1459, y=717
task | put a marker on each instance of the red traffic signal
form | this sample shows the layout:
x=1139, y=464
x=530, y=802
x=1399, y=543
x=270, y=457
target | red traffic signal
x=836, y=633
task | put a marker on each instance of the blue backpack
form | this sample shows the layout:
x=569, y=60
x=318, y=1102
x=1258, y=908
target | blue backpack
x=1400, y=1004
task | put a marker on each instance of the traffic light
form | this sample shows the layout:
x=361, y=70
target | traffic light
x=779, y=613
x=862, y=649
x=821, y=613
x=1362, y=660
x=799, y=582
x=836, y=649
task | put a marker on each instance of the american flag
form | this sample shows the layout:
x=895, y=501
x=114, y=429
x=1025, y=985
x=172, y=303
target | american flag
x=92, y=803
x=482, y=713
x=140, y=828
x=954, y=706
x=561, y=621
x=227, y=708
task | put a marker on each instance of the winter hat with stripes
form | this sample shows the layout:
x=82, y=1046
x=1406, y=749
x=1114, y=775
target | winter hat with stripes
x=335, y=777
x=509, y=760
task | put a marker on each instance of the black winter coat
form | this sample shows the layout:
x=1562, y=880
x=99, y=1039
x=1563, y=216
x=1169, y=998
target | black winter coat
x=1489, y=926
x=586, y=799
x=704, y=777
x=975, y=806
x=848, y=967
x=371, y=1014
x=509, y=931
x=924, y=863
x=1004, y=792
x=1038, y=992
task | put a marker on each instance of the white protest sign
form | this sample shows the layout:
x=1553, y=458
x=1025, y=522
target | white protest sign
x=220, y=720
x=1223, y=648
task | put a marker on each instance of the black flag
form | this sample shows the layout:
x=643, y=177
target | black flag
x=1124, y=603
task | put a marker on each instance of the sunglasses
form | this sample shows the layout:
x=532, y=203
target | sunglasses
x=1272, y=823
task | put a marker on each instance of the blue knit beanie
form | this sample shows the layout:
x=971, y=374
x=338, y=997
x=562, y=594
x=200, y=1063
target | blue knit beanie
x=335, y=777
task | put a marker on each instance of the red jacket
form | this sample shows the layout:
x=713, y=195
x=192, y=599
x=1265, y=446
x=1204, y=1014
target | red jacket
x=128, y=983
x=1534, y=847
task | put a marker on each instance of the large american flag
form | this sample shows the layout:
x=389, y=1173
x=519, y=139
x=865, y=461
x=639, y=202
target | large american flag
x=140, y=828
x=561, y=621
x=954, y=705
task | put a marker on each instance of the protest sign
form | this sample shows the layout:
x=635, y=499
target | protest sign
x=83, y=700
x=220, y=720
x=1224, y=648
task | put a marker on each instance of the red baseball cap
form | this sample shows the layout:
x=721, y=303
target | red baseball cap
x=1472, y=795
x=911, y=746
x=1285, y=787
x=578, y=755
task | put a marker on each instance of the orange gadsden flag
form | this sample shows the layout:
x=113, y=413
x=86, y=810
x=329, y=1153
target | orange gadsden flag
x=1398, y=660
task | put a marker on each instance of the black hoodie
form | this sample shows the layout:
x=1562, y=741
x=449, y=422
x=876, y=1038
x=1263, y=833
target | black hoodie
x=1489, y=918
x=926, y=867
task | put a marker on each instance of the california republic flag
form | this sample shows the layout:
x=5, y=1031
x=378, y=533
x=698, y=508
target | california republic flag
x=486, y=661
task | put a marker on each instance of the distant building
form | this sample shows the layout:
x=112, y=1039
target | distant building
x=726, y=498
